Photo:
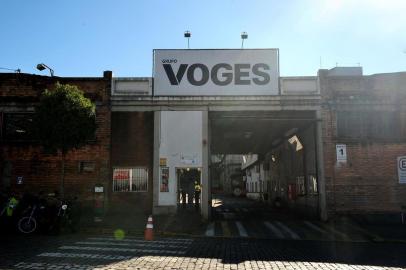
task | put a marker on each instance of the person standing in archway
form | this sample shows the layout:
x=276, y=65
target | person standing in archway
x=198, y=189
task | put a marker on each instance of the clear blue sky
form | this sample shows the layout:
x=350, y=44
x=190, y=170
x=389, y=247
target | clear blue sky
x=85, y=37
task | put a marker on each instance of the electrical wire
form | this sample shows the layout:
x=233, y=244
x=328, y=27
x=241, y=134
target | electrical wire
x=15, y=70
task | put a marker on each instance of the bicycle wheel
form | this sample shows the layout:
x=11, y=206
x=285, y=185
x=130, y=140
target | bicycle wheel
x=27, y=225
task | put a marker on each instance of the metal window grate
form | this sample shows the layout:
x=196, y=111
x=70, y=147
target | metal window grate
x=130, y=179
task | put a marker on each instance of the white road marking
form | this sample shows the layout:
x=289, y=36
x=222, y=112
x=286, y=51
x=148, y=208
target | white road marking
x=288, y=230
x=339, y=233
x=162, y=241
x=143, y=250
x=84, y=255
x=210, y=229
x=314, y=227
x=55, y=266
x=151, y=244
x=241, y=229
x=275, y=230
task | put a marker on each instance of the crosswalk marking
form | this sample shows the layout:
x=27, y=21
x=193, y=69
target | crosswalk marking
x=150, y=244
x=143, y=250
x=278, y=229
x=84, y=255
x=340, y=234
x=226, y=230
x=54, y=266
x=275, y=230
x=314, y=227
x=241, y=229
x=288, y=230
x=210, y=229
x=162, y=241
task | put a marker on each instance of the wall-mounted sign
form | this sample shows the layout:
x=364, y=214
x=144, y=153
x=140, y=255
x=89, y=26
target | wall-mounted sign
x=121, y=174
x=216, y=72
x=402, y=169
x=162, y=161
x=19, y=180
x=341, y=151
x=189, y=159
x=98, y=189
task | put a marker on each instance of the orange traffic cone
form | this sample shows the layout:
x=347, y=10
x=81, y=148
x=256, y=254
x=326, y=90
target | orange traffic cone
x=149, y=230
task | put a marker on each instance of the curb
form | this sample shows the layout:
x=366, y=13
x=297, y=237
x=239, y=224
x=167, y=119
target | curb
x=139, y=233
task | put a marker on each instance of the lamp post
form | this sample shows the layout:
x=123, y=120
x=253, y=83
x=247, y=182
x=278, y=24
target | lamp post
x=244, y=35
x=42, y=66
x=187, y=35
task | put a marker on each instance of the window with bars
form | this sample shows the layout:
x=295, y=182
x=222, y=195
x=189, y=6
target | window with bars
x=130, y=179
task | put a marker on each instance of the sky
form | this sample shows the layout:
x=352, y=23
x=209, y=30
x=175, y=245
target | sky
x=86, y=37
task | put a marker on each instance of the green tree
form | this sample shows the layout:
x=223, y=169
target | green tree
x=65, y=120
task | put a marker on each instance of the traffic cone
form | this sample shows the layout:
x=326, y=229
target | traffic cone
x=149, y=230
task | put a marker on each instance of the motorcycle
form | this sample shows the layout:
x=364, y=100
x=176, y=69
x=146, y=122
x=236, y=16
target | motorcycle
x=8, y=212
x=63, y=217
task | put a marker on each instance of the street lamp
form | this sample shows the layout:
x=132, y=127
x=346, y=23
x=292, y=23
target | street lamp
x=42, y=66
x=244, y=35
x=187, y=35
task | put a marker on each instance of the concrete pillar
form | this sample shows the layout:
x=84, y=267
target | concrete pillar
x=206, y=183
x=320, y=167
x=155, y=173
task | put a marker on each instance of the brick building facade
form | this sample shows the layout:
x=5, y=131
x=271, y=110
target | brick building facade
x=368, y=115
x=24, y=165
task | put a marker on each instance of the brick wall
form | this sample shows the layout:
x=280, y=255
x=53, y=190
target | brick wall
x=132, y=146
x=41, y=171
x=368, y=182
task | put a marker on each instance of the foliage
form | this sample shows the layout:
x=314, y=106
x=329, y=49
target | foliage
x=65, y=119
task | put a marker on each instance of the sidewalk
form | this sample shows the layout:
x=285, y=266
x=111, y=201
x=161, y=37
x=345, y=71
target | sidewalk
x=185, y=222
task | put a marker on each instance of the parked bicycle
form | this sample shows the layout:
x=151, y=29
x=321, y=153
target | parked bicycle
x=34, y=215
x=49, y=214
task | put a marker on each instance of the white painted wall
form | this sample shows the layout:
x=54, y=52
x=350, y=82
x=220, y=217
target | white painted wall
x=131, y=87
x=299, y=86
x=180, y=136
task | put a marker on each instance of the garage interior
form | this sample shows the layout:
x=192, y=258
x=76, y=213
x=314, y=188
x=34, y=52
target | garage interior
x=281, y=171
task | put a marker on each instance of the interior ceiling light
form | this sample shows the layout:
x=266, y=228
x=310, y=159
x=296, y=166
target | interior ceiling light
x=295, y=140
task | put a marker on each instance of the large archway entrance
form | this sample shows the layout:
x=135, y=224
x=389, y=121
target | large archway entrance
x=263, y=164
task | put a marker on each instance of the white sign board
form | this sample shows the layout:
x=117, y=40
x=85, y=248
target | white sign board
x=402, y=169
x=189, y=159
x=216, y=72
x=19, y=180
x=341, y=150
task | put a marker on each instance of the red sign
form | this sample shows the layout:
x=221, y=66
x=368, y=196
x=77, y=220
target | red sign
x=121, y=174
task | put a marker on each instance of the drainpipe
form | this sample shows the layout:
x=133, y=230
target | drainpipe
x=320, y=167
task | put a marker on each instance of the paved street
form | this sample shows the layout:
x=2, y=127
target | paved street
x=242, y=217
x=104, y=252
